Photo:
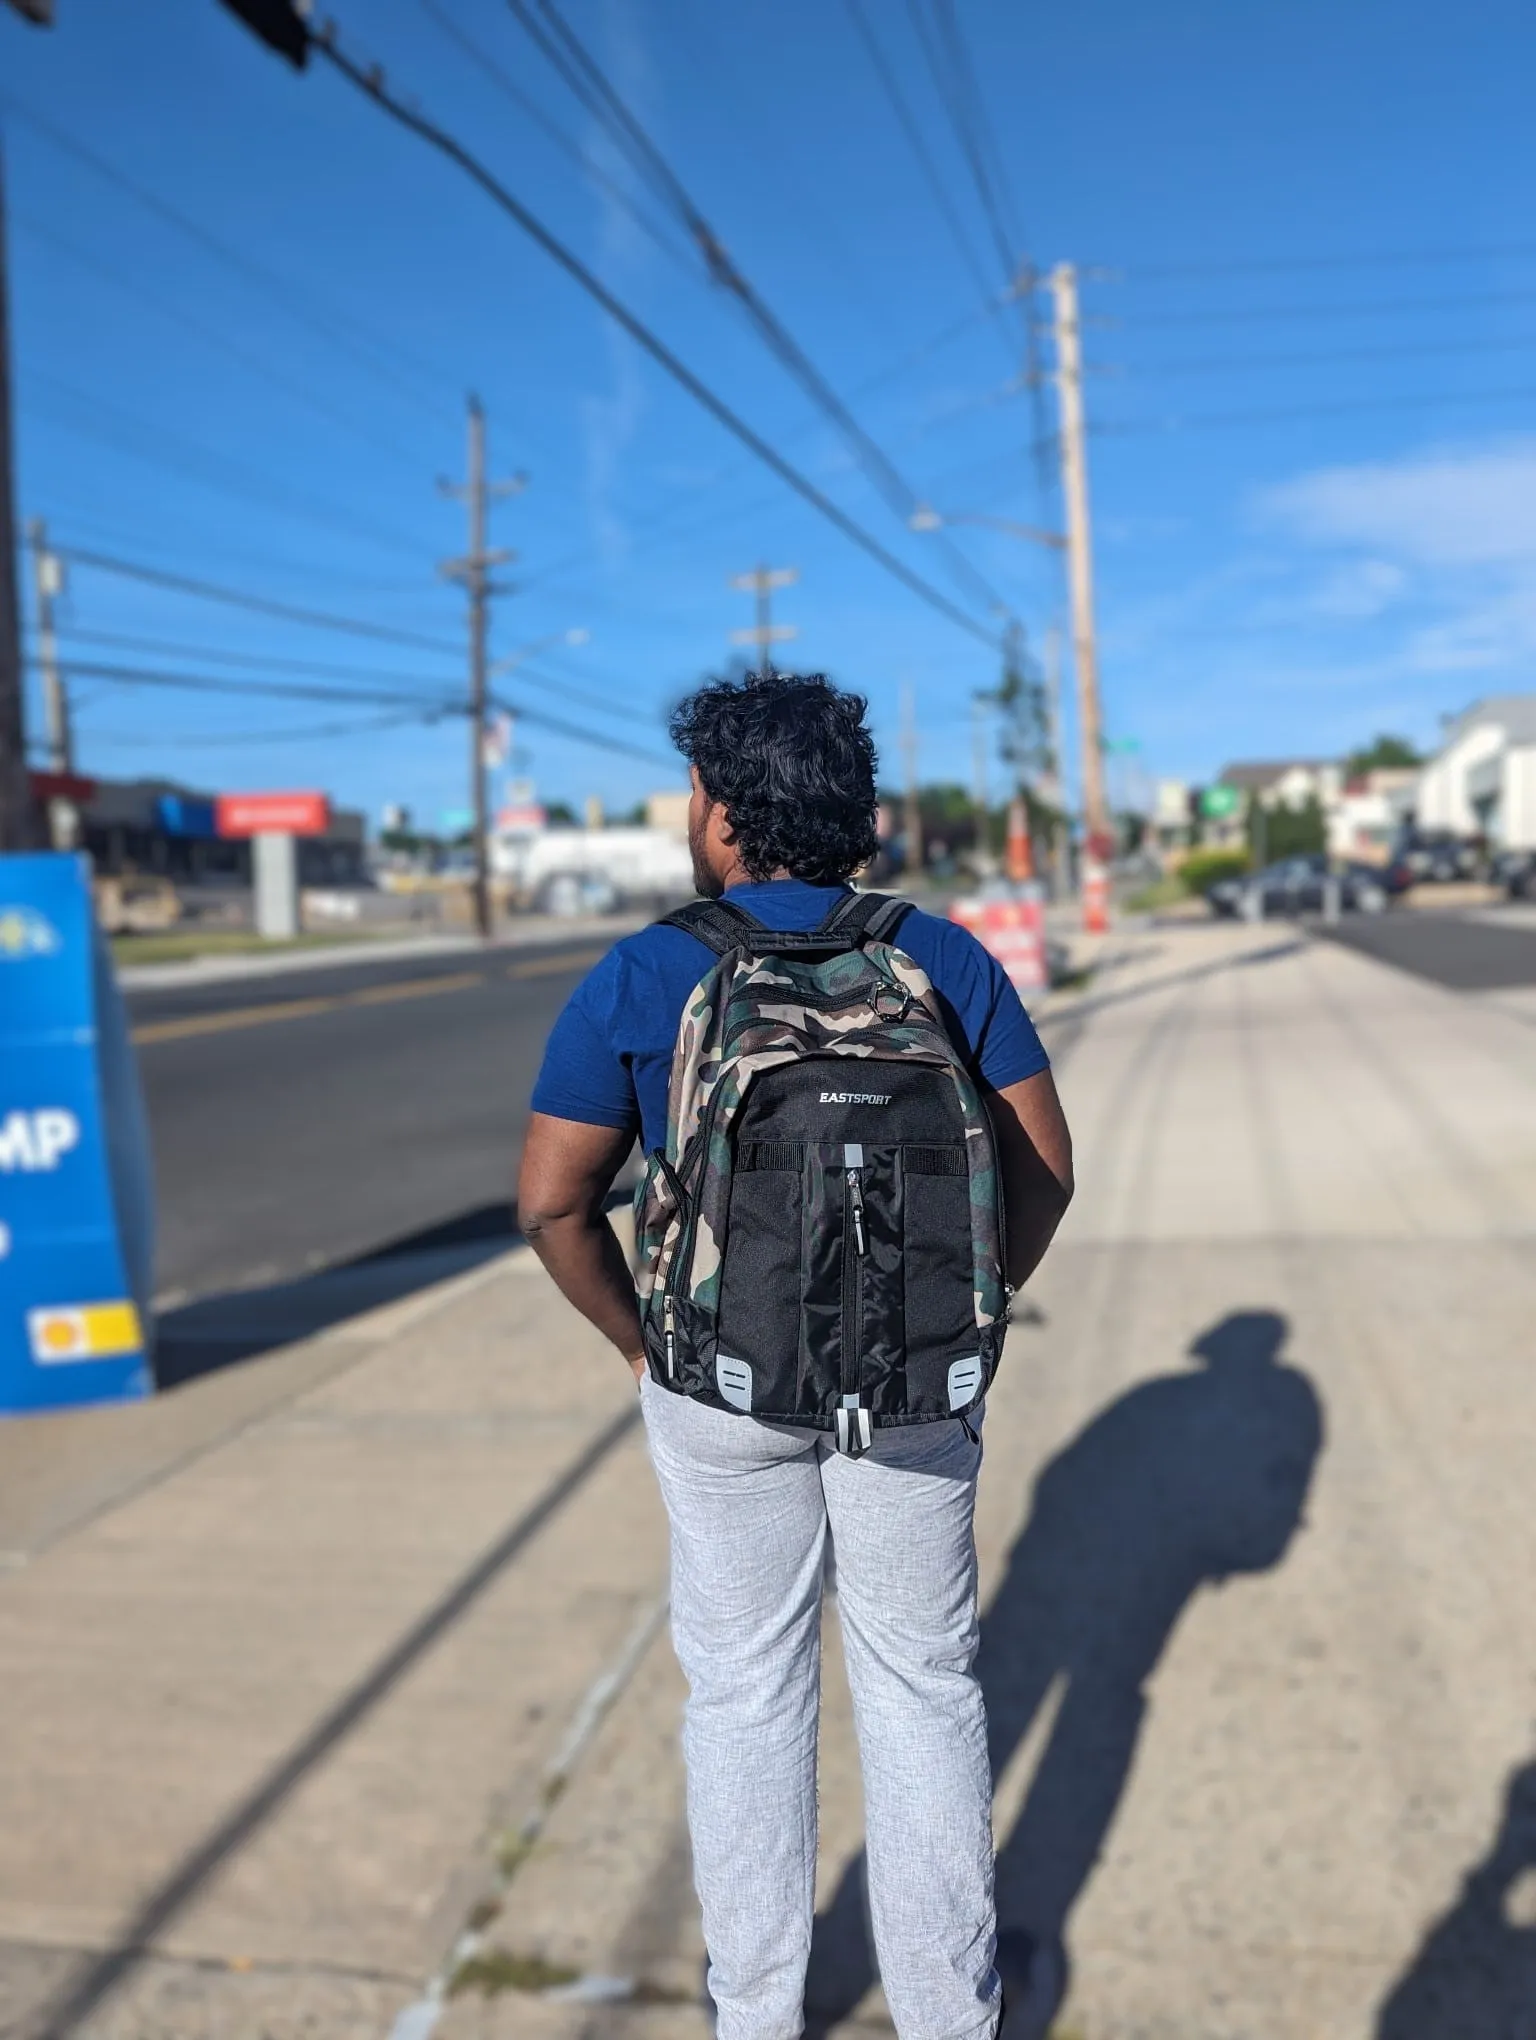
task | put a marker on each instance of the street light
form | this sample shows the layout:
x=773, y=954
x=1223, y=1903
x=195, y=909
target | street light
x=926, y=518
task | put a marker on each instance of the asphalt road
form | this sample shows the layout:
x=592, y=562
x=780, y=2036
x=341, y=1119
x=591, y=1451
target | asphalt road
x=1465, y=952
x=306, y=1119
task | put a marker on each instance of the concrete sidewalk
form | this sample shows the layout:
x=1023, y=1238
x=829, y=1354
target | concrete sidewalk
x=1256, y=1541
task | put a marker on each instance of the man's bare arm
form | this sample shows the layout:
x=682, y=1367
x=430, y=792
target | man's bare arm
x=1034, y=1151
x=568, y=1170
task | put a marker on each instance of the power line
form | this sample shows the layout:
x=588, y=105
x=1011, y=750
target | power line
x=1360, y=309
x=907, y=121
x=127, y=641
x=575, y=64
x=449, y=705
x=1285, y=413
x=557, y=683
x=372, y=84
x=277, y=690
x=1380, y=258
x=167, y=450
x=254, y=364
x=261, y=605
x=1333, y=357
x=210, y=739
x=973, y=130
x=332, y=326
x=532, y=110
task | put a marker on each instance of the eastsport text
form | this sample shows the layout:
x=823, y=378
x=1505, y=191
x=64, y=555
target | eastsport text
x=856, y=1097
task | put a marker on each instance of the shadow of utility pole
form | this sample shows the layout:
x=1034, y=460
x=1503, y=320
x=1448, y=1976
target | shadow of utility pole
x=1184, y=1481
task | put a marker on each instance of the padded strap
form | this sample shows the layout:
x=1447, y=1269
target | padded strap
x=855, y=919
x=716, y=923
x=866, y=917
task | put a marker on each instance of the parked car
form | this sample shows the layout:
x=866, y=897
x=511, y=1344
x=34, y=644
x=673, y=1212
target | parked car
x=1515, y=870
x=1437, y=856
x=1299, y=885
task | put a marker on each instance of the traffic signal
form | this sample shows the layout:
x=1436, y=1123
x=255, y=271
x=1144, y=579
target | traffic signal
x=278, y=22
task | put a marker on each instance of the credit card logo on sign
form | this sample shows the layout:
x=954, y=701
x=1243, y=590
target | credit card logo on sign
x=61, y=1333
x=24, y=932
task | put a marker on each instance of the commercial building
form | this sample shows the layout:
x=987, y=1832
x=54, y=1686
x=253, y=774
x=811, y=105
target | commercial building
x=159, y=827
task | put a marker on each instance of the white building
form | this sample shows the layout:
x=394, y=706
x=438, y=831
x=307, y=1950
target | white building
x=1482, y=781
x=1365, y=820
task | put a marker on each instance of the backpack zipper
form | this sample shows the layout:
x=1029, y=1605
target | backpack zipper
x=855, y=1247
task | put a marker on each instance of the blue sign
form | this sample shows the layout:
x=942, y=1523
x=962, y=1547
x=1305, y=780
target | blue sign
x=76, y=1190
x=181, y=814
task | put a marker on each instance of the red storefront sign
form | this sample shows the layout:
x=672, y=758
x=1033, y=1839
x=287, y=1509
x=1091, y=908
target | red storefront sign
x=1014, y=932
x=272, y=814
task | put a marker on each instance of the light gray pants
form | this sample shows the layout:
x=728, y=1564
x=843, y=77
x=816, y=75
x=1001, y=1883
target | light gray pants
x=751, y=1506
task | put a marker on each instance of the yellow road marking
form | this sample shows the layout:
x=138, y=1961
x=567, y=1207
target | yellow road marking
x=549, y=966
x=415, y=988
x=369, y=995
x=220, y=1023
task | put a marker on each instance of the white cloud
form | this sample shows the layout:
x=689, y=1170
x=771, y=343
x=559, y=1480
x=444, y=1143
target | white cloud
x=1456, y=507
x=1450, y=531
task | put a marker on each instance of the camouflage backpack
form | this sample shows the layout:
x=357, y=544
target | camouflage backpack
x=821, y=1240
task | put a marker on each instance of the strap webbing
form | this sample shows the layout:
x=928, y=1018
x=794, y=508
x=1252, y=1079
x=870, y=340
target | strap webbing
x=866, y=917
x=855, y=919
x=716, y=923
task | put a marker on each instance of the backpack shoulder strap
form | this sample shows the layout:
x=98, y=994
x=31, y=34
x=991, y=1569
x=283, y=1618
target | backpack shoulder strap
x=866, y=917
x=716, y=923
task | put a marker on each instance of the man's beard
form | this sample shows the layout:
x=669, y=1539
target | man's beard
x=705, y=882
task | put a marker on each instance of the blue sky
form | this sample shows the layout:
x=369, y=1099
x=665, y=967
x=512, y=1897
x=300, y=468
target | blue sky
x=1309, y=266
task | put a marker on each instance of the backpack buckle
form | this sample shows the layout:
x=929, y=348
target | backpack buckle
x=891, y=1003
x=854, y=1433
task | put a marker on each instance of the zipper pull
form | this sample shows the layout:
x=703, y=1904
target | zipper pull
x=671, y=1341
x=856, y=1199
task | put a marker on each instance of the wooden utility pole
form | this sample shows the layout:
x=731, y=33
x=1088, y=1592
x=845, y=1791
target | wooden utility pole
x=1074, y=478
x=473, y=570
x=912, y=816
x=1061, y=863
x=47, y=584
x=765, y=633
x=981, y=799
x=17, y=821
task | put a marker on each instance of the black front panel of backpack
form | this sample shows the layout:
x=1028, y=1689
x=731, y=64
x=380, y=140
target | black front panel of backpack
x=848, y=1259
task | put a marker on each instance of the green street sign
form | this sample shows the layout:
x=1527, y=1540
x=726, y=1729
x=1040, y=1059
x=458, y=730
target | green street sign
x=1217, y=803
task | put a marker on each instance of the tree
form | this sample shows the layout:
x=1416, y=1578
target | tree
x=1386, y=754
x=1276, y=832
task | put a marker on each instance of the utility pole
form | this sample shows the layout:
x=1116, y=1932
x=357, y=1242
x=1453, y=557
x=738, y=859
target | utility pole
x=912, y=816
x=1060, y=860
x=1074, y=477
x=981, y=795
x=48, y=583
x=474, y=571
x=17, y=824
x=765, y=633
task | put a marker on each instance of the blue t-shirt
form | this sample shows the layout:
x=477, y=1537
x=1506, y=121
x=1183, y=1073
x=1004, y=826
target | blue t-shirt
x=609, y=1058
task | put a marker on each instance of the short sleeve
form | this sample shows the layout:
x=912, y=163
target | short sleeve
x=1009, y=1048
x=583, y=1076
x=984, y=1007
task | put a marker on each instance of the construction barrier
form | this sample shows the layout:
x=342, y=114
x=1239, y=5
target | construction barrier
x=76, y=1191
x=1013, y=930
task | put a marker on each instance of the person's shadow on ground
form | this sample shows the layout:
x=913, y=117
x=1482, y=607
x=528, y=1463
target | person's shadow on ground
x=1185, y=1480
x=1475, y=1976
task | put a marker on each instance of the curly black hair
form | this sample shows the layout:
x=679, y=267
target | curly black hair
x=791, y=760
